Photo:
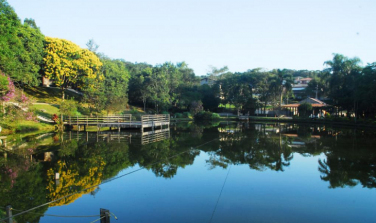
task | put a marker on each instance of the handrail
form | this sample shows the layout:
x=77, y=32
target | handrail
x=98, y=119
x=145, y=119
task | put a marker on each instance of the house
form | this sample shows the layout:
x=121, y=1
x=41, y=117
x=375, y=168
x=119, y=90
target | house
x=299, y=87
x=319, y=107
x=302, y=81
x=46, y=82
x=207, y=80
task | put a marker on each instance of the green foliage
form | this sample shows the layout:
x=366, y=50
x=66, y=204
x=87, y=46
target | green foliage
x=21, y=47
x=204, y=115
x=305, y=110
x=3, y=84
x=210, y=96
x=179, y=115
x=196, y=107
x=215, y=116
x=110, y=94
x=187, y=115
x=327, y=115
x=68, y=108
x=163, y=87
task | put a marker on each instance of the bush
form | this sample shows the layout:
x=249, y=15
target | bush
x=305, y=110
x=196, y=107
x=327, y=115
x=206, y=116
x=187, y=115
x=165, y=113
x=69, y=108
x=178, y=115
x=215, y=116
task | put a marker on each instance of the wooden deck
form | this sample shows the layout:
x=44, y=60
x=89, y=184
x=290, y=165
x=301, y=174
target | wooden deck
x=142, y=138
x=119, y=122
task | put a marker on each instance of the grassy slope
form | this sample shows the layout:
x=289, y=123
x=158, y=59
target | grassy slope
x=45, y=110
x=24, y=126
x=49, y=95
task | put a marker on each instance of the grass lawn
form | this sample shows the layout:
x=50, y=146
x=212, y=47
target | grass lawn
x=45, y=110
x=49, y=95
x=24, y=126
x=226, y=106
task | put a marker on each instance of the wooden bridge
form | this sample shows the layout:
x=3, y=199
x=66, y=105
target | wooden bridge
x=118, y=122
x=142, y=138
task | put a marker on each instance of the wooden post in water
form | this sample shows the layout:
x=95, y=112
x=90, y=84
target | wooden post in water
x=142, y=123
x=97, y=124
x=104, y=215
x=9, y=214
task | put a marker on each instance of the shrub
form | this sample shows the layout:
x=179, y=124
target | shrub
x=196, y=107
x=215, y=116
x=178, y=115
x=305, y=110
x=69, y=108
x=187, y=115
x=206, y=116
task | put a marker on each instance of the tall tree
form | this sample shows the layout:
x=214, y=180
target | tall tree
x=344, y=73
x=21, y=46
x=116, y=78
x=281, y=85
x=69, y=65
x=237, y=90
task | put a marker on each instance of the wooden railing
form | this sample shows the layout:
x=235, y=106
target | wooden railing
x=87, y=120
x=155, y=118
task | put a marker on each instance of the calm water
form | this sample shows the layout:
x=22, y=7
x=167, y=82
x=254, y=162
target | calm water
x=216, y=172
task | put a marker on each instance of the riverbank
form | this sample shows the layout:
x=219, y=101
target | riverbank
x=24, y=127
x=9, y=128
x=334, y=121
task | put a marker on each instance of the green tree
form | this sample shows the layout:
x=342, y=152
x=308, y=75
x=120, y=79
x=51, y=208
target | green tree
x=116, y=78
x=305, y=110
x=21, y=46
x=237, y=90
x=344, y=73
x=280, y=86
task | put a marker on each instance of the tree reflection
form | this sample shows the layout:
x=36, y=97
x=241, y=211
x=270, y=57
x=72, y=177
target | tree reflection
x=350, y=161
x=27, y=178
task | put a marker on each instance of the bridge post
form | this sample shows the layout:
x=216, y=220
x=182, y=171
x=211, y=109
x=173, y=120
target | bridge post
x=104, y=215
x=9, y=214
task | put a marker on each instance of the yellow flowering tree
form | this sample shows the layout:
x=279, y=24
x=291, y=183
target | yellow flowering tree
x=71, y=181
x=69, y=65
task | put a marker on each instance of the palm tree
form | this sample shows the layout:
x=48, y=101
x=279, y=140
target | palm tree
x=281, y=85
x=344, y=73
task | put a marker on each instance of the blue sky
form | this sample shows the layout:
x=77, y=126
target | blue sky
x=295, y=34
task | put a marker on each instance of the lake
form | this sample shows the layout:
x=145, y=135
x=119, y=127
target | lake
x=208, y=172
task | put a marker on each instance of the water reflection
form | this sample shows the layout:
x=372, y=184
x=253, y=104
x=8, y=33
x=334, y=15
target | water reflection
x=83, y=160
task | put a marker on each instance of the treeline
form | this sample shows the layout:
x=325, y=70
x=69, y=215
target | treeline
x=26, y=56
